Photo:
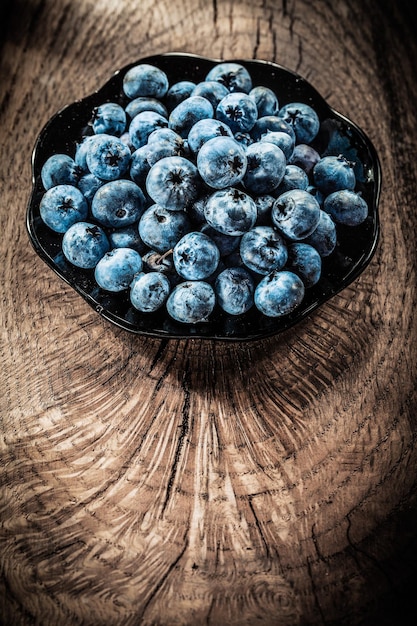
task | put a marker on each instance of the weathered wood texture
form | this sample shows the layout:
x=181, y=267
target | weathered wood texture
x=173, y=482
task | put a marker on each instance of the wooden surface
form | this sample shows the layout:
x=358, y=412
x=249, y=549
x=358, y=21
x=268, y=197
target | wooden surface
x=187, y=483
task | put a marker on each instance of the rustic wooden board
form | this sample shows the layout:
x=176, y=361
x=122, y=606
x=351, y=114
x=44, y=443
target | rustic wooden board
x=197, y=482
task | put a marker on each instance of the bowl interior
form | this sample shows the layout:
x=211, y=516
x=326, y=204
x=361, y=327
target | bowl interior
x=338, y=135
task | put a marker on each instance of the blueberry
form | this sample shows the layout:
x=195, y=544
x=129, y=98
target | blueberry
x=145, y=80
x=270, y=123
x=127, y=237
x=305, y=261
x=164, y=142
x=173, y=182
x=178, y=92
x=238, y=111
x=333, y=173
x=279, y=293
x=144, y=103
x=88, y=185
x=296, y=213
x=196, y=256
x=109, y=118
x=161, y=229
x=149, y=291
x=143, y=124
x=188, y=112
x=117, y=268
x=263, y=250
x=213, y=90
x=81, y=150
x=230, y=211
x=324, y=236
x=59, y=169
x=294, y=178
x=191, y=302
x=118, y=203
x=206, y=129
x=316, y=193
x=234, y=76
x=107, y=157
x=139, y=166
x=221, y=162
x=265, y=167
x=61, y=206
x=225, y=243
x=196, y=209
x=303, y=119
x=304, y=156
x=84, y=244
x=284, y=141
x=234, y=288
x=265, y=99
x=264, y=204
x=346, y=207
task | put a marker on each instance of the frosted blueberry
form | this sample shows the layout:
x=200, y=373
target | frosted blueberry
x=161, y=229
x=324, y=236
x=346, y=207
x=178, y=92
x=118, y=203
x=305, y=261
x=333, y=173
x=213, y=90
x=61, y=206
x=303, y=119
x=109, y=118
x=234, y=288
x=265, y=167
x=304, y=156
x=84, y=244
x=232, y=75
x=294, y=178
x=230, y=211
x=191, y=302
x=279, y=293
x=164, y=142
x=107, y=157
x=127, y=237
x=59, y=169
x=116, y=269
x=188, y=112
x=139, y=166
x=263, y=249
x=88, y=185
x=221, y=162
x=143, y=124
x=173, y=182
x=238, y=111
x=149, y=291
x=296, y=213
x=145, y=80
x=196, y=256
x=265, y=99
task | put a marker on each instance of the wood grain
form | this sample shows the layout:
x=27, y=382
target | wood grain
x=193, y=482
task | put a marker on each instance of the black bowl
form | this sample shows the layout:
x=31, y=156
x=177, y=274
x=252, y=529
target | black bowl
x=338, y=135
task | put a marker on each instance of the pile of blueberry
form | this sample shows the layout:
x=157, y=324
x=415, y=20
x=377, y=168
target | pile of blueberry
x=194, y=196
